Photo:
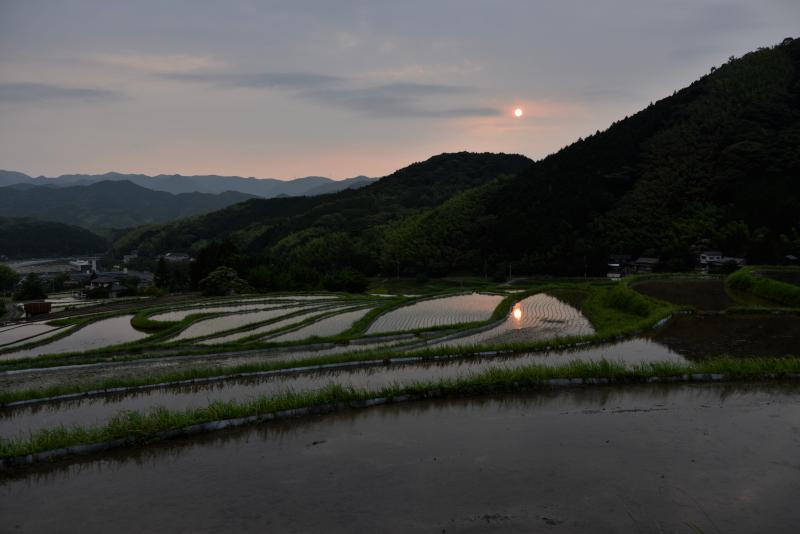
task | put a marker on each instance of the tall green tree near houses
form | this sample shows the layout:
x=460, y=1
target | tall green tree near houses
x=30, y=289
x=8, y=279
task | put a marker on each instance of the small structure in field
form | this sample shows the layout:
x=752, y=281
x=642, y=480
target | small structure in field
x=36, y=308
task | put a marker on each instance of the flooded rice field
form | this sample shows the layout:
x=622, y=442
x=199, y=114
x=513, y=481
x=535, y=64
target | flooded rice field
x=266, y=329
x=103, y=333
x=681, y=458
x=706, y=336
x=209, y=327
x=90, y=375
x=22, y=332
x=17, y=421
x=534, y=318
x=706, y=295
x=330, y=326
x=437, y=312
x=179, y=315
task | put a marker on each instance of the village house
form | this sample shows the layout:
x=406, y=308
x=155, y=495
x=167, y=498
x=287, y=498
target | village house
x=645, y=264
x=175, y=257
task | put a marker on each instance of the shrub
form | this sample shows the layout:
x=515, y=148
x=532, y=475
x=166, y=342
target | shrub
x=223, y=281
x=30, y=289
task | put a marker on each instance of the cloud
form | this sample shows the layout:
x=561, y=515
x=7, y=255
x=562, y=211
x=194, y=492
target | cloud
x=267, y=80
x=387, y=100
x=157, y=63
x=401, y=100
x=36, y=92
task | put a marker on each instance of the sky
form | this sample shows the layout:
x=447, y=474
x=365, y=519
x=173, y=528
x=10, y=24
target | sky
x=342, y=88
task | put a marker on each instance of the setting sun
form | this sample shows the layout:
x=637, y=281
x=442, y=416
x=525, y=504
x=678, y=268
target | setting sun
x=518, y=112
x=517, y=313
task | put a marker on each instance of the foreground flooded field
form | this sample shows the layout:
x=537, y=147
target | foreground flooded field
x=706, y=336
x=21, y=420
x=686, y=458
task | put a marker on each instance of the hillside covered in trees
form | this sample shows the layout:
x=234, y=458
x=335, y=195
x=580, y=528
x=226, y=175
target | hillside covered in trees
x=715, y=165
x=29, y=238
x=106, y=205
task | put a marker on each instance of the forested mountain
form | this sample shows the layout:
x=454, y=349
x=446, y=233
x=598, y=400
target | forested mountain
x=105, y=205
x=716, y=165
x=212, y=184
x=29, y=238
x=348, y=218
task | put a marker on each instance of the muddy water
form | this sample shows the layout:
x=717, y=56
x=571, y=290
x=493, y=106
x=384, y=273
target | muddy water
x=20, y=421
x=96, y=335
x=705, y=336
x=686, y=458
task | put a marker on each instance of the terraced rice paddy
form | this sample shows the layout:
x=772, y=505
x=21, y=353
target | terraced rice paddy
x=687, y=458
x=209, y=327
x=179, y=315
x=265, y=330
x=709, y=294
x=16, y=421
x=706, y=336
x=437, y=312
x=18, y=333
x=537, y=317
x=329, y=326
x=103, y=333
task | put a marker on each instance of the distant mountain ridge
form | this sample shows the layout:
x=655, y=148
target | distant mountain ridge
x=212, y=184
x=107, y=205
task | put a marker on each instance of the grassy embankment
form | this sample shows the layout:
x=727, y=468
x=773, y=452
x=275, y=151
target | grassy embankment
x=748, y=280
x=135, y=427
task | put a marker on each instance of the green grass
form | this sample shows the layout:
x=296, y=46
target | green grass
x=747, y=280
x=138, y=427
x=617, y=310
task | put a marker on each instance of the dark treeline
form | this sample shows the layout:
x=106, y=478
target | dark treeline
x=30, y=238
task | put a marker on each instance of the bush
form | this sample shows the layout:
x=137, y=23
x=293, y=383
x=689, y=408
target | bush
x=223, y=281
x=30, y=289
x=153, y=291
x=626, y=300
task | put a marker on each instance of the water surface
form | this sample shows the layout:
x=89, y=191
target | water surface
x=650, y=459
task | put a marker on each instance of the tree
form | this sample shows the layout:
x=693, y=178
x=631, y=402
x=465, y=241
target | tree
x=8, y=278
x=162, y=278
x=30, y=289
x=223, y=281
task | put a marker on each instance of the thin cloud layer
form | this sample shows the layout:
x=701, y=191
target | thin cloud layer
x=38, y=92
x=401, y=99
